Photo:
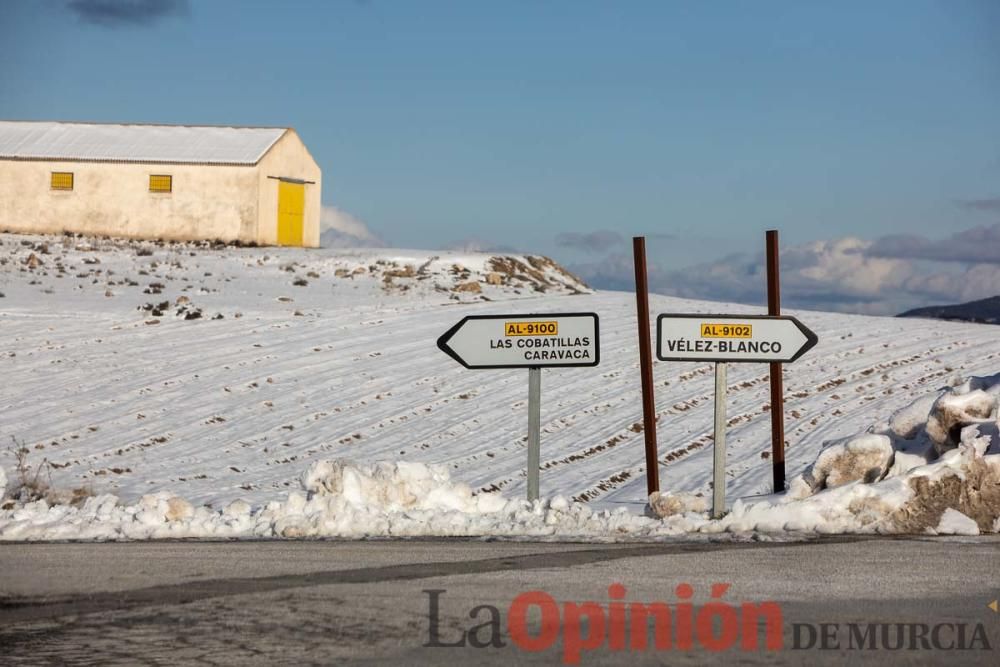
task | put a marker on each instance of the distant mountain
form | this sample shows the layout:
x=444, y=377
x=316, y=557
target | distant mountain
x=983, y=311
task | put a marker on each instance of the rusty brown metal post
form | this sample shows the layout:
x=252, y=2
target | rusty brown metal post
x=646, y=364
x=777, y=388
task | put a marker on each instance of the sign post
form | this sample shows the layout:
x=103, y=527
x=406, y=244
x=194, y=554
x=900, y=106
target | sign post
x=729, y=338
x=534, y=430
x=774, y=370
x=646, y=364
x=536, y=341
x=719, y=445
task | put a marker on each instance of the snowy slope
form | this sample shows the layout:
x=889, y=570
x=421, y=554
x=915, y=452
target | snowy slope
x=130, y=401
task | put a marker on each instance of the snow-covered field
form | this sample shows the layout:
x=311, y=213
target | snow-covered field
x=296, y=358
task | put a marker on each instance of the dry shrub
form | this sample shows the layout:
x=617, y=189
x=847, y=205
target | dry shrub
x=29, y=485
x=34, y=483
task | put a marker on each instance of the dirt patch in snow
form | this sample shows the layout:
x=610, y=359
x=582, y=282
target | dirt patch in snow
x=977, y=497
x=540, y=272
x=866, y=457
x=662, y=505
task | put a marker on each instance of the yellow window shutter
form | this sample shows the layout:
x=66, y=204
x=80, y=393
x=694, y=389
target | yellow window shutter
x=161, y=183
x=62, y=180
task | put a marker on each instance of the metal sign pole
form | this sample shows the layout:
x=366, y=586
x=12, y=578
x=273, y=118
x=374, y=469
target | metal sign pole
x=646, y=364
x=534, y=428
x=774, y=370
x=719, y=447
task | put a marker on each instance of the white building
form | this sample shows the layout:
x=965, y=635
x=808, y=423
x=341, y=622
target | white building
x=249, y=184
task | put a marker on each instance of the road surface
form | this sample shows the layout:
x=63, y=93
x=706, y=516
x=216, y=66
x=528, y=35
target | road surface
x=338, y=602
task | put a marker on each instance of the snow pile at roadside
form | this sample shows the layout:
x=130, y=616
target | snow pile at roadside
x=340, y=499
x=888, y=480
x=964, y=482
x=933, y=468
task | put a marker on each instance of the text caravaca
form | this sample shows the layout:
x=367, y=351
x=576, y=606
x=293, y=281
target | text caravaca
x=540, y=341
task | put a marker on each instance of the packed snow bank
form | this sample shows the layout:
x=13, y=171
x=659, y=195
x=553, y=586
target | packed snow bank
x=918, y=472
x=891, y=478
x=888, y=480
x=964, y=479
x=339, y=499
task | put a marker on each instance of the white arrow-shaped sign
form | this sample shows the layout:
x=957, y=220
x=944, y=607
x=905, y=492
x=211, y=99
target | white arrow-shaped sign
x=524, y=341
x=747, y=338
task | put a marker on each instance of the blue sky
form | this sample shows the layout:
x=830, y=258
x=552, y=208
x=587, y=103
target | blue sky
x=537, y=124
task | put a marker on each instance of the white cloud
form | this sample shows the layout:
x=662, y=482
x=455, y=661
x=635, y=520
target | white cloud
x=975, y=245
x=340, y=229
x=845, y=275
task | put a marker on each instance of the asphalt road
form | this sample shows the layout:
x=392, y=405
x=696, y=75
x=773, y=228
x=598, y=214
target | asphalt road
x=268, y=603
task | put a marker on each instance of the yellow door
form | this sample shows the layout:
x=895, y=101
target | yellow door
x=291, y=203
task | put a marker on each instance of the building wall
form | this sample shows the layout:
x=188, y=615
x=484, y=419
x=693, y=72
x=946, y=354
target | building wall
x=207, y=202
x=288, y=158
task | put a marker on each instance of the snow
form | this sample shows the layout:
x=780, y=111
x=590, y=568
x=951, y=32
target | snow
x=309, y=399
x=954, y=522
x=35, y=140
x=903, y=463
x=341, y=499
x=908, y=422
x=402, y=499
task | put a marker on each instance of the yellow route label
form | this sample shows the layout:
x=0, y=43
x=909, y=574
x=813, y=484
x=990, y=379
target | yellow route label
x=709, y=330
x=531, y=328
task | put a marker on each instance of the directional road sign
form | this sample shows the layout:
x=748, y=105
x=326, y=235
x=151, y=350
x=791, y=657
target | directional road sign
x=524, y=341
x=746, y=338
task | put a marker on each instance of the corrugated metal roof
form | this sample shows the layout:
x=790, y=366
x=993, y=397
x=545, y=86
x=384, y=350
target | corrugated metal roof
x=184, y=144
